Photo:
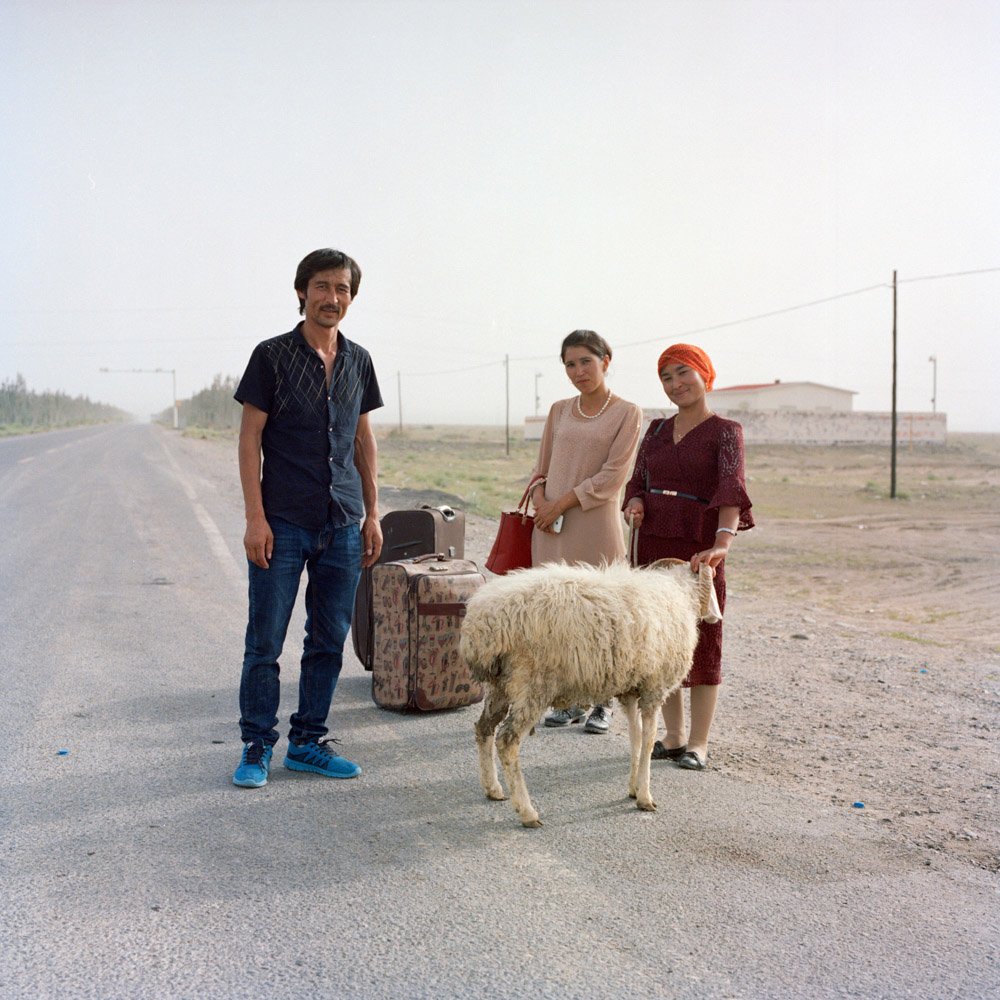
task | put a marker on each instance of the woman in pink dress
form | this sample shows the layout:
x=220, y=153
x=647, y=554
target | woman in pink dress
x=584, y=459
x=688, y=495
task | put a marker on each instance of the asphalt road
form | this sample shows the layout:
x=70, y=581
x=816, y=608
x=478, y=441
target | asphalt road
x=132, y=868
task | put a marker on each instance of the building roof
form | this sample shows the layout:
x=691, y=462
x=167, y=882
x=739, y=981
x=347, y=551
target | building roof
x=776, y=383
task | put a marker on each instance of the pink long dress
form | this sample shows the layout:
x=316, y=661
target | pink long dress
x=592, y=458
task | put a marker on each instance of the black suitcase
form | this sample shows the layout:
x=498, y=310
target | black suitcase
x=405, y=534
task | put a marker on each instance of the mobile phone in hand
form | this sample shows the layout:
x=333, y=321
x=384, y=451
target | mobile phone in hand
x=557, y=524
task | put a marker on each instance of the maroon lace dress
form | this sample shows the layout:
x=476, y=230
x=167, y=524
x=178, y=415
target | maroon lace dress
x=706, y=466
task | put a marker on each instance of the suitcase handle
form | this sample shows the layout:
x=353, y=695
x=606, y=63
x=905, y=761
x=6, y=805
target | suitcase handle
x=446, y=512
x=436, y=556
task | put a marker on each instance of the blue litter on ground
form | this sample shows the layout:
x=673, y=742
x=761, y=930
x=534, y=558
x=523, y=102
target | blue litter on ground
x=859, y=805
x=923, y=670
x=62, y=753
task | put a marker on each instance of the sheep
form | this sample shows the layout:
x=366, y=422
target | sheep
x=565, y=635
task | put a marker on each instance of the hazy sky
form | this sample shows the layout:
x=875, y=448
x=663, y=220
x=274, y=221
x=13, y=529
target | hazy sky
x=504, y=172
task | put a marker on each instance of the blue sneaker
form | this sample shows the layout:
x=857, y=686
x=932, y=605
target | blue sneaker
x=254, y=765
x=318, y=757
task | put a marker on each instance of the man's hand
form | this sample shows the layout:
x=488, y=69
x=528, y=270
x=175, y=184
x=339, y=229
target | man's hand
x=259, y=541
x=371, y=542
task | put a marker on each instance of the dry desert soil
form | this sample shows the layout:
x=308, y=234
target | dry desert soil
x=862, y=659
x=862, y=642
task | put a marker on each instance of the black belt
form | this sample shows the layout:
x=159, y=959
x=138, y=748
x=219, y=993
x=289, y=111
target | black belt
x=677, y=493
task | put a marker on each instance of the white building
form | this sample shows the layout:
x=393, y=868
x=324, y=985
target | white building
x=802, y=413
x=778, y=396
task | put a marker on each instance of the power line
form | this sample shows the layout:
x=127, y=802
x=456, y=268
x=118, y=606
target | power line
x=454, y=371
x=759, y=316
x=751, y=319
x=953, y=274
x=525, y=358
x=732, y=322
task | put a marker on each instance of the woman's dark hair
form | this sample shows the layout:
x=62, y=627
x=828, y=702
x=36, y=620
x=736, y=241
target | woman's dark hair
x=593, y=342
x=324, y=260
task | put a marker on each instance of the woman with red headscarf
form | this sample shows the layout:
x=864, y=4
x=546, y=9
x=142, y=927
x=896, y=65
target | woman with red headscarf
x=688, y=494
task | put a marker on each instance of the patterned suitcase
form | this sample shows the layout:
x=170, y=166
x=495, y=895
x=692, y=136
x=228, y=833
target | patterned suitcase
x=405, y=534
x=417, y=607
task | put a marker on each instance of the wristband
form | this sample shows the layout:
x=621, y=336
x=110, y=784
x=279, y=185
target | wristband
x=728, y=531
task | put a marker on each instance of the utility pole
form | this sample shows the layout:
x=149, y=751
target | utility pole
x=506, y=368
x=933, y=360
x=892, y=477
x=538, y=375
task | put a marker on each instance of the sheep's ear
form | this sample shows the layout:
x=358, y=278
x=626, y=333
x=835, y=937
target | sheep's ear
x=710, y=610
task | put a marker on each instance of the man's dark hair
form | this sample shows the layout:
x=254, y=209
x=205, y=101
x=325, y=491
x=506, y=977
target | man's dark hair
x=593, y=342
x=324, y=260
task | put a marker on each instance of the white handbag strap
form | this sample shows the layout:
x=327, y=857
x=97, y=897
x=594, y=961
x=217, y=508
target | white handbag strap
x=633, y=542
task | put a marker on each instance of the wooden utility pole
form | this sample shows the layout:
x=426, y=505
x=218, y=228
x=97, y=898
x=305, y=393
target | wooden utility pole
x=506, y=368
x=892, y=478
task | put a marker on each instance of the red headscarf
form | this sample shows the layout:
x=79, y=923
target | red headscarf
x=693, y=357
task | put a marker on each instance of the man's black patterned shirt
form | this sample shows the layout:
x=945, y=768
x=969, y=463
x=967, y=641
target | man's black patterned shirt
x=308, y=442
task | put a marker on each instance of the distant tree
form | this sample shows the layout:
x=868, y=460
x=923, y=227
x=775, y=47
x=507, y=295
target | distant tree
x=22, y=408
x=213, y=408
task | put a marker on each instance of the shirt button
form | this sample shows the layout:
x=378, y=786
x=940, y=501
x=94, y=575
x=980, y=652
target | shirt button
x=330, y=428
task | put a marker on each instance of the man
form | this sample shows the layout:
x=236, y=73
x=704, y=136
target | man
x=306, y=397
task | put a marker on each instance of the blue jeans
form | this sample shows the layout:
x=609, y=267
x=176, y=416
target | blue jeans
x=332, y=560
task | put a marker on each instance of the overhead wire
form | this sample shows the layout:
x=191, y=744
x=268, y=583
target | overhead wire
x=746, y=319
x=952, y=274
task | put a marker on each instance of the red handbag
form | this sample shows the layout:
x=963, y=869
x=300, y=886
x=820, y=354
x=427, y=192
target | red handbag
x=512, y=546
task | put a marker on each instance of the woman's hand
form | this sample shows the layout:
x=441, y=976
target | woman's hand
x=635, y=510
x=729, y=519
x=546, y=513
x=709, y=557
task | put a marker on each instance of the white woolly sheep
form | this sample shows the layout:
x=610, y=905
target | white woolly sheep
x=579, y=635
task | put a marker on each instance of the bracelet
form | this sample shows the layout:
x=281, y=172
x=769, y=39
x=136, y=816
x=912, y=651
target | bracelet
x=728, y=531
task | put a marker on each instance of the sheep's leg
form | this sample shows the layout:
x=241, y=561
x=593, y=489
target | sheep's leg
x=512, y=730
x=494, y=709
x=644, y=798
x=629, y=704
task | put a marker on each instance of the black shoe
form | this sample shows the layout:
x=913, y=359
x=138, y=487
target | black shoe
x=599, y=720
x=660, y=752
x=690, y=761
x=559, y=717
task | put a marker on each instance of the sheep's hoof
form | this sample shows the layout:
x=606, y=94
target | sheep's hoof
x=647, y=806
x=632, y=793
x=531, y=824
x=496, y=793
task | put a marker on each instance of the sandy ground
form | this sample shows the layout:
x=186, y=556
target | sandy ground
x=863, y=636
x=862, y=659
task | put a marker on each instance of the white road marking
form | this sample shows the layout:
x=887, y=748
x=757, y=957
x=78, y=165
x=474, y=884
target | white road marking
x=232, y=569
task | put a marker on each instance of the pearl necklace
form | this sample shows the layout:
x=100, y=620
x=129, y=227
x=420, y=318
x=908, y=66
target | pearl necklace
x=579, y=409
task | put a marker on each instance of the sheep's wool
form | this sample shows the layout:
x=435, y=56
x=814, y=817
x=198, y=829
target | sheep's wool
x=562, y=635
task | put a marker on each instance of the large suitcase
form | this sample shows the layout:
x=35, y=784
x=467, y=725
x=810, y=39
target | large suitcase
x=405, y=534
x=418, y=606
